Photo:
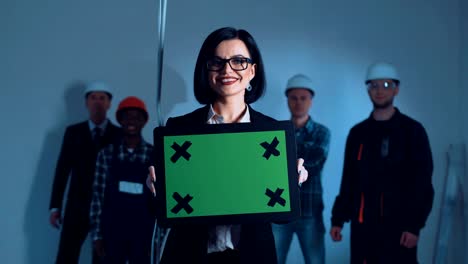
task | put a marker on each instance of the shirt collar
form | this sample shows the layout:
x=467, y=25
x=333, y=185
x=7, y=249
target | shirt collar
x=393, y=117
x=141, y=145
x=102, y=126
x=309, y=125
x=214, y=118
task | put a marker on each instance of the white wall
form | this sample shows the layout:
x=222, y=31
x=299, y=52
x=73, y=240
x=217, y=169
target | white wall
x=51, y=47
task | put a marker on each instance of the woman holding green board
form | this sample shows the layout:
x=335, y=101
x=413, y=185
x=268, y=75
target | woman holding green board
x=229, y=75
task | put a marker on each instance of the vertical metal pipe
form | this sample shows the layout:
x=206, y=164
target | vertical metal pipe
x=156, y=241
x=160, y=54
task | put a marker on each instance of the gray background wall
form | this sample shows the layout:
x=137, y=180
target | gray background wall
x=49, y=48
x=463, y=227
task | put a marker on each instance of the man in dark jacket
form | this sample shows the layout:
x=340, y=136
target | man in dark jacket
x=386, y=188
x=76, y=161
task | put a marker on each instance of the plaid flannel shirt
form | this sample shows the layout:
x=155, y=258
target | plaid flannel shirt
x=312, y=142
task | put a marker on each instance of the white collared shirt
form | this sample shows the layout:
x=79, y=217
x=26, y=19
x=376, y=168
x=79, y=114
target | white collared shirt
x=102, y=126
x=222, y=239
x=214, y=118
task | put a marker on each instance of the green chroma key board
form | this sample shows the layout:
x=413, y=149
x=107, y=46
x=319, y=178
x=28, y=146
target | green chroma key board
x=229, y=173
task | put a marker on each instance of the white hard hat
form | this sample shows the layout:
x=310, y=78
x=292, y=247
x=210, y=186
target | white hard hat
x=382, y=70
x=299, y=81
x=97, y=87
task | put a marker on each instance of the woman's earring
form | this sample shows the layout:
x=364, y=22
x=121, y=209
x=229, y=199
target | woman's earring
x=249, y=88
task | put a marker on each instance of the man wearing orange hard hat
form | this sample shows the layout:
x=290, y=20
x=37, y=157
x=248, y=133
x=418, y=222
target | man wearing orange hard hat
x=120, y=215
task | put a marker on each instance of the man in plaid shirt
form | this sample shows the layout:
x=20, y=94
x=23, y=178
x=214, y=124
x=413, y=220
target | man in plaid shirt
x=121, y=217
x=312, y=140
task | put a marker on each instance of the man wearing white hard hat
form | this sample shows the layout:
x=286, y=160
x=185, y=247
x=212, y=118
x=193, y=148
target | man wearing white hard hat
x=312, y=140
x=75, y=165
x=386, y=188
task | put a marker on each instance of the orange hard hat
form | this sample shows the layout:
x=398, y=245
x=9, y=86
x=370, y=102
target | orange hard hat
x=131, y=102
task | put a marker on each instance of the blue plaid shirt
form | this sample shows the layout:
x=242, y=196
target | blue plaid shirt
x=143, y=152
x=312, y=142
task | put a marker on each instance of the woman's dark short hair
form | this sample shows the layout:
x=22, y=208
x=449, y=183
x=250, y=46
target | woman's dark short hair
x=202, y=90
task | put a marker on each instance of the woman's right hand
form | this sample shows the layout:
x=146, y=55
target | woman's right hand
x=151, y=179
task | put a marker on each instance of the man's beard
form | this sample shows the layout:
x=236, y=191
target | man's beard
x=383, y=105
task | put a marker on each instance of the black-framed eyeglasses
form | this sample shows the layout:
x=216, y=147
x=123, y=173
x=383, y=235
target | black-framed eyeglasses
x=386, y=85
x=236, y=63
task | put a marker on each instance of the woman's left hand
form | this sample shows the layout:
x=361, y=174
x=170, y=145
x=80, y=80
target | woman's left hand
x=301, y=170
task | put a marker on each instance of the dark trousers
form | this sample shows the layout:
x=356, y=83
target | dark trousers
x=121, y=251
x=121, y=247
x=376, y=244
x=74, y=232
x=228, y=256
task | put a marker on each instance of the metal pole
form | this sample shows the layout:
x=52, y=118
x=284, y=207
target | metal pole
x=156, y=253
x=161, y=37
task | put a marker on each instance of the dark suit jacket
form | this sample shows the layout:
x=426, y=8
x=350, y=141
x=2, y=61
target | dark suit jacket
x=188, y=243
x=78, y=159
